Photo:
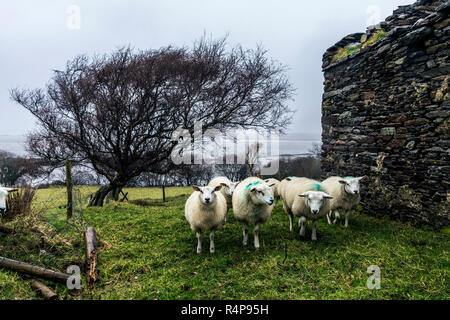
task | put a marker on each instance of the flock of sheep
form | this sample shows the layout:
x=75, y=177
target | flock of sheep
x=253, y=200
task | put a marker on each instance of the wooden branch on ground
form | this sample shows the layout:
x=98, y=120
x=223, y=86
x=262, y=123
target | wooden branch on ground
x=32, y=270
x=90, y=240
x=6, y=229
x=43, y=290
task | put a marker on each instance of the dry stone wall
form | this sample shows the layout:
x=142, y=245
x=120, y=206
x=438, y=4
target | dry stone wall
x=385, y=114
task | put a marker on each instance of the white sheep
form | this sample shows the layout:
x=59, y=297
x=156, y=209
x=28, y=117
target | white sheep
x=227, y=190
x=252, y=203
x=3, y=196
x=281, y=186
x=274, y=188
x=306, y=199
x=205, y=210
x=346, y=196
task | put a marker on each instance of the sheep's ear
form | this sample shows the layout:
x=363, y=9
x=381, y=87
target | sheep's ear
x=219, y=187
x=271, y=185
x=223, y=184
x=327, y=196
x=342, y=181
x=360, y=178
x=304, y=194
x=252, y=189
x=288, y=179
x=197, y=188
x=267, y=180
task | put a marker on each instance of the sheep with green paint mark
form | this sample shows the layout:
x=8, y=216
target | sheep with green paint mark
x=346, y=196
x=252, y=204
x=307, y=199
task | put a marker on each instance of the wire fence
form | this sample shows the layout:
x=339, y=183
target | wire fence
x=56, y=197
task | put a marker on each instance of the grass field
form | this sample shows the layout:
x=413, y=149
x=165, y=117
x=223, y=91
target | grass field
x=149, y=253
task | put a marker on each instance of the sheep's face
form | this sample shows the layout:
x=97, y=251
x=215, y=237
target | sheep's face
x=351, y=185
x=315, y=199
x=207, y=194
x=261, y=194
x=230, y=187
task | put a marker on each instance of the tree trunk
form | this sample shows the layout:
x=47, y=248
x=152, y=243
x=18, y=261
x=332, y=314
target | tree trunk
x=90, y=240
x=99, y=196
x=106, y=192
x=36, y=271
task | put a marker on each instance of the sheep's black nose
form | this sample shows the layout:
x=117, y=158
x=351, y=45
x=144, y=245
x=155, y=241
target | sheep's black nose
x=315, y=211
x=355, y=192
x=271, y=201
x=207, y=200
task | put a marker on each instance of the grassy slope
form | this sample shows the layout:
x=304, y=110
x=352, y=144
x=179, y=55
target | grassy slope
x=150, y=254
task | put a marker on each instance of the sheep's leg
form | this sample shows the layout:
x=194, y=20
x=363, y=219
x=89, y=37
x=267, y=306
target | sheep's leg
x=291, y=221
x=347, y=214
x=336, y=216
x=256, y=235
x=314, y=230
x=329, y=216
x=199, y=244
x=302, y=226
x=211, y=241
x=245, y=235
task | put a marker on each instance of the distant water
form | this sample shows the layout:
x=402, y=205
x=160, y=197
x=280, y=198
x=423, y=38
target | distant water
x=14, y=144
x=289, y=144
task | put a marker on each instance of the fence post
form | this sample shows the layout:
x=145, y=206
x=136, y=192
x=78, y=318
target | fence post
x=164, y=193
x=69, y=189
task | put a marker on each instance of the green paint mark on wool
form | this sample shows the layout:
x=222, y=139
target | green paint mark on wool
x=317, y=187
x=247, y=187
x=349, y=177
x=251, y=185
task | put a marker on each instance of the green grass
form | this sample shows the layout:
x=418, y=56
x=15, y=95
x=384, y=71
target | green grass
x=149, y=253
x=341, y=53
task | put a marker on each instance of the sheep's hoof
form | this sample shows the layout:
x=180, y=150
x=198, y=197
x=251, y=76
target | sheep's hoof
x=199, y=251
x=211, y=250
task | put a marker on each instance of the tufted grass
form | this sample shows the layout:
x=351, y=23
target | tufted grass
x=149, y=253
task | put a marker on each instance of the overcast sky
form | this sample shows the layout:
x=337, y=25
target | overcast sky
x=39, y=36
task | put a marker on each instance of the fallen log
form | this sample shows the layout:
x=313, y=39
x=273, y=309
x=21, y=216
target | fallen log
x=35, y=271
x=90, y=240
x=43, y=290
x=6, y=229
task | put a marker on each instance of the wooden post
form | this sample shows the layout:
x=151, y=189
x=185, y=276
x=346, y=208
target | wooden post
x=90, y=241
x=36, y=271
x=69, y=189
x=164, y=193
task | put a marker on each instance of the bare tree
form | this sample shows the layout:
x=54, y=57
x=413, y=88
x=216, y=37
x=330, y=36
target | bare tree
x=117, y=112
x=253, y=158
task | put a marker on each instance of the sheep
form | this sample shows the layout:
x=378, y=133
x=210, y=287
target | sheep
x=281, y=186
x=346, y=196
x=307, y=199
x=227, y=191
x=205, y=210
x=252, y=203
x=3, y=196
x=274, y=189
